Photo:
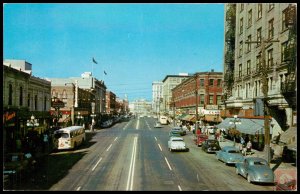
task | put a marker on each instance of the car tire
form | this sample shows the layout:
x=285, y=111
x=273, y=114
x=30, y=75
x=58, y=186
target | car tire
x=237, y=171
x=248, y=178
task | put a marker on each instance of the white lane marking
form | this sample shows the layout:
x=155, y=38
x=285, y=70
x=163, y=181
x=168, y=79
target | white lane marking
x=159, y=147
x=115, y=138
x=197, y=177
x=132, y=164
x=168, y=163
x=108, y=147
x=78, y=188
x=155, y=138
x=137, y=124
x=179, y=188
x=96, y=164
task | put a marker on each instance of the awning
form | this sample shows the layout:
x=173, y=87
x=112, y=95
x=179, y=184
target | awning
x=212, y=118
x=187, y=117
x=247, y=126
x=181, y=116
x=289, y=135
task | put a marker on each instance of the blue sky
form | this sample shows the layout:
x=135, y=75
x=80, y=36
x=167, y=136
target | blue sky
x=135, y=44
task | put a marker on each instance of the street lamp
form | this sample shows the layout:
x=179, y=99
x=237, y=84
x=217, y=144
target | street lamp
x=33, y=122
x=235, y=121
x=79, y=117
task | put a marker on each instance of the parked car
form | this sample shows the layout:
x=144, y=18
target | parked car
x=230, y=155
x=174, y=133
x=177, y=143
x=157, y=125
x=200, y=139
x=211, y=146
x=255, y=169
x=288, y=186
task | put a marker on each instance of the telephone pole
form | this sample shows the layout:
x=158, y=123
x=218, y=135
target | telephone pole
x=264, y=78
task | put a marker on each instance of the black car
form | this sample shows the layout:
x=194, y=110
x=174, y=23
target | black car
x=211, y=146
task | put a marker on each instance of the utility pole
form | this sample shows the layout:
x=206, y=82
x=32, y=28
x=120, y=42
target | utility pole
x=264, y=78
x=196, y=104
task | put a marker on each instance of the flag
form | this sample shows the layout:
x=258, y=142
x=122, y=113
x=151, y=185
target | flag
x=105, y=73
x=94, y=61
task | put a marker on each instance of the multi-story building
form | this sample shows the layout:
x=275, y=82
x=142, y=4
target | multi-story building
x=260, y=44
x=26, y=103
x=140, y=107
x=206, y=87
x=157, y=87
x=84, y=97
x=110, y=103
x=169, y=82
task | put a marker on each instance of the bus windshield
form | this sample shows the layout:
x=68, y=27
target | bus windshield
x=64, y=135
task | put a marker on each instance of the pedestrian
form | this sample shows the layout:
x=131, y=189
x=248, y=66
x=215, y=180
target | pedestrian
x=249, y=146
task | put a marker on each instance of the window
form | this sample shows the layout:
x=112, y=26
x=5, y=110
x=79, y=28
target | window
x=283, y=51
x=249, y=44
x=270, y=57
x=10, y=91
x=259, y=11
x=241, y=25
x=271, y=83
x=219, y=82
x=258, y=60
x=271, y=29
x=249, y=67
x=35, y=102
x=211, y=82
x=242, y=7
x=28, y=100
x=45, y=103
x=241, y=49
x=271, y=6
x=201, y=82
x=249, y=17
x=218, y=99
x=283, y=22
x=211, y=99
x=258, y=36
x=21, y=97
x=201, y=98
x=240, y=70
x=281, y=81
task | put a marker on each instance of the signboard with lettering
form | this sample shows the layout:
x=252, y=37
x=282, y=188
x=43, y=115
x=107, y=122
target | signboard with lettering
x=57, y=104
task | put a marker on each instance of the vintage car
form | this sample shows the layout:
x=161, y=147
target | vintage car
x=157, y=125
x=175, y=131
x=255, y=169
x=229, y=155
x=200, y=139
x=177, y=144
x=210, y=146
x=288, y=186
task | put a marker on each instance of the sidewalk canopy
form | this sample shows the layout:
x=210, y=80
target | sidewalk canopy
x=247, y=126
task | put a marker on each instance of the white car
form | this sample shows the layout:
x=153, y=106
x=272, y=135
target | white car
x=177, y=143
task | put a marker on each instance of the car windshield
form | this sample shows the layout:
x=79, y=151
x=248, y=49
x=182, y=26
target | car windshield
x=177, y=140
x=233, y=151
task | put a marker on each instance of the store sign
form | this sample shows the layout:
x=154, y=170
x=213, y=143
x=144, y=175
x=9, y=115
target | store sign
x=58, y=104
x=8, y=116
x=210, y=112
x=211, y=107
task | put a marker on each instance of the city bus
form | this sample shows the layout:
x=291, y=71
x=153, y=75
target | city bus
x=163, y=120
x=69, y=137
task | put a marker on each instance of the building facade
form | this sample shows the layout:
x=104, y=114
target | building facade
x=169, y=82
x=260, y=44
x=199, y=95
x=157, y=97
x=24, y=96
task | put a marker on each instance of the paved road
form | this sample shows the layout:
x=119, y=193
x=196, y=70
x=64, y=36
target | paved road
x=134, y=156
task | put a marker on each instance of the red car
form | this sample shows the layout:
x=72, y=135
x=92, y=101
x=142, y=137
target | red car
x=289, y=186
x=200, y=138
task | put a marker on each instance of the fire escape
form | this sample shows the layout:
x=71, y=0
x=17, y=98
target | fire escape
x=229, y=55
x=288, y=88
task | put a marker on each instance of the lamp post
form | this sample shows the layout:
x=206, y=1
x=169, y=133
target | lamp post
x=235, y=121
x=79, y=117
x=33, y=122
x=196, y=103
